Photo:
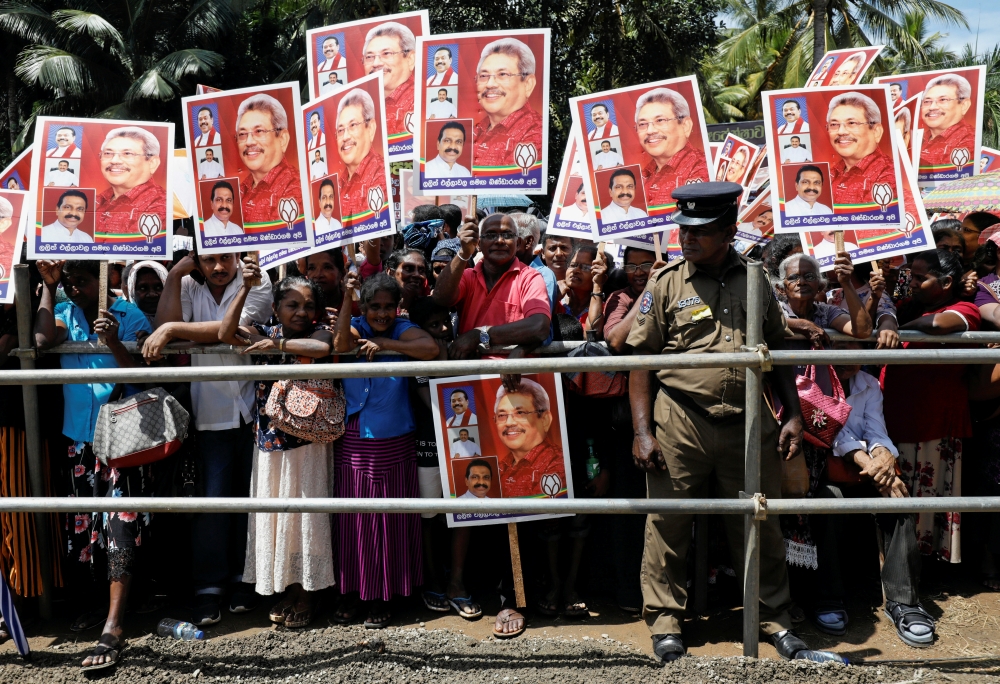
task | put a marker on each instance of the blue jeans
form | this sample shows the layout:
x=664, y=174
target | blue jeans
x=219, y=540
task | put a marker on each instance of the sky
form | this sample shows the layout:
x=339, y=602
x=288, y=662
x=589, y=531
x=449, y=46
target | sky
x=982, y=15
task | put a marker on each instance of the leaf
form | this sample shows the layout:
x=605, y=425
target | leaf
x=27, y=22
x=93, y=25
x=191, y=62
x=150, y=86
x=53, y=69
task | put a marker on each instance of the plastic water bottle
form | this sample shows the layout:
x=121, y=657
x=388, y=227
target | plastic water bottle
x=593, y=465
x=821, y=657
x=178, y=629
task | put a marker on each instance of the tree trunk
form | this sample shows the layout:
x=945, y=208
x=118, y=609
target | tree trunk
x=819, y=31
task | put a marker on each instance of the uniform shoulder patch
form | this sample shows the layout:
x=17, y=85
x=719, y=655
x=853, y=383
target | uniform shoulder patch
x=647, y=302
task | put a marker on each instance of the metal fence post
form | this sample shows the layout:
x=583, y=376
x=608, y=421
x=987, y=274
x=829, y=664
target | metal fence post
x=751, y=526
x=33, y=436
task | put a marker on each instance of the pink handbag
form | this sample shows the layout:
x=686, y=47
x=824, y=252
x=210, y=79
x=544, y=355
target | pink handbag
x=822, y=416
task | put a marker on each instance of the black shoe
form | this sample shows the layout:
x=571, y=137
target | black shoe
x=668, y=647
x=244, y=599
x=787, y=644
x=206, y=610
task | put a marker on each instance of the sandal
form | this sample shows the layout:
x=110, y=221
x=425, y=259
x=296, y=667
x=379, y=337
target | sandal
x=346, y=610
x=991, y=580
x=548, y=606
x=279, y=613
x=4, y=632
x=462, y=603
x=89, y=620
x=575, y=609
x=436, y=601
x=503, y=617
x=109, y=646
x=295, y=619
x=914, y=625
x=830, y=617
x=379, y=616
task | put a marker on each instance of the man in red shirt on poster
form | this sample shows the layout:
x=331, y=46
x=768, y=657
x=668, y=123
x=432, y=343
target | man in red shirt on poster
x=947, y=99
x=854, y=124
x=523, y=419
x=365, y=167
x=9, y=251
x=262, y=136
x=390, y=48
x=664, y=125
x=129, y=157
x=504, y=82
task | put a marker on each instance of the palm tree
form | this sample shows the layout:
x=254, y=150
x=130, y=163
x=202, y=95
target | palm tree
x=932, y=50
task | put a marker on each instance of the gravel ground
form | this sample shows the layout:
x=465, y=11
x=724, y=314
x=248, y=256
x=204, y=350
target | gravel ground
x=355, y=656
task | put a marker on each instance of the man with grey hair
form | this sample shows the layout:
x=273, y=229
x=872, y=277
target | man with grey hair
x=664, y=125
x=65, y=139
x=854, y=127
x=356, y=129
x=262, y=138
x=332, y=57
x=904, y=124
x=947, y=99
x=523, y=420
x=505, y=80
x=8, y=237
x=529, y=236
x=391, y=49
x=129, y=157
x=849, y=72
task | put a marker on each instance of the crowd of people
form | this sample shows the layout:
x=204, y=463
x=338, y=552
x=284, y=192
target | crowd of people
x=448, y=288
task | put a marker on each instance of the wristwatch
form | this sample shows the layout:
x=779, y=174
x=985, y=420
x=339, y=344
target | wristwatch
x=484, y=336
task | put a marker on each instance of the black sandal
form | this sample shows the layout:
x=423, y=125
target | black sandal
x=347, y=610
x=4, y=632
x=379, y=616
x=906, y=618
x=107, y=644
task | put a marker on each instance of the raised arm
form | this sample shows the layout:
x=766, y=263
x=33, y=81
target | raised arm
x=169, y=309
x=48, y=331
x=595, y=314
x=230, y=325
x=344, y=336
x=858, y=322
x=447, y=286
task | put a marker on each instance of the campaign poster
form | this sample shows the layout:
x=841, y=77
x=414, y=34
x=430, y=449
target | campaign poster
x=184, y=204
x=247, y=152
x=848, y=180
x=843, y=67
x=17, y=175
x=638, y=144
x=989, y=160
x=494, y=444
x=408, y=201
x=906, y=117
x=736, y=161
x=571, y=215
x=951, y=118
x=395, y=190
x=100, y=189
x=340, y=54
x=755, y=225
x=914, y=235
x=483, y=122
x=13, y=218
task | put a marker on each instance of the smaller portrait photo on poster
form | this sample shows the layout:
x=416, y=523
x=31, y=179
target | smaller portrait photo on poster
x=735, y=162
x=17, y=175
x=989, y=160
x=843, y=67
x=13, y=218
x=494, y=99
x=252, y=140
x=850, y=180
x=501, y=445
x=571, y=215
x=755, y=224
x=640, y=143
x=100, y=189
x=340, y=54
x=906, y=116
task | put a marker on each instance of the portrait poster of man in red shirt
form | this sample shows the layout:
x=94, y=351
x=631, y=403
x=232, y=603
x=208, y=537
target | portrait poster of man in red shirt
x=386, y=45
x=12, y=222
x=521, y=447
x=17, y=175
x=500, y=94
x=572, y=215
x=843, y=67
x=950, y=119
x=852, y=166
x=121, y=167
x=263, y=147
x=661, y=133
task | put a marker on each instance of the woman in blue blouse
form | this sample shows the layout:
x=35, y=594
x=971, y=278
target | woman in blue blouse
x=378, y=554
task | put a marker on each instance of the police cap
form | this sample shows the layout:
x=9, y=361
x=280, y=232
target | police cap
x=701, y=203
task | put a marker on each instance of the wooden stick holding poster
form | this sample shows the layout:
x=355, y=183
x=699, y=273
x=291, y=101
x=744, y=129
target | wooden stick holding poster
x=656, y=247
x=515, y=565
x=102, y=298
x=254, y=257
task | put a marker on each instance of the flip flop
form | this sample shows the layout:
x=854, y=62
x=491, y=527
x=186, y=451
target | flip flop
x=548, y=606
x=298, y=620
x=576, y=610
x=108, y=643
x=346, y=610
x=504, y=619
x=831, y=618
x=89, y=620
x=460, y=603
x=376, y=612
x=436, y=601
x=4, y=632
x=279, y=612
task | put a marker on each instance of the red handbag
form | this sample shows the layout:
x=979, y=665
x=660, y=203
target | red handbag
x=822, y=416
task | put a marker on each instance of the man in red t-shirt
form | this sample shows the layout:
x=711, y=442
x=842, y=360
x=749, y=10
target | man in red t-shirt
x=263, y=137
x=505, y=80
x=947, y=99
x=129, y=157
x=390, y=48
x=9, y=251
x=365, y=167
x=533, y=466
x=664, y=125
x=854, y=125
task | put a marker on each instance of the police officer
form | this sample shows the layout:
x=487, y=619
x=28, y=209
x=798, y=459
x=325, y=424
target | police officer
x=689, y=427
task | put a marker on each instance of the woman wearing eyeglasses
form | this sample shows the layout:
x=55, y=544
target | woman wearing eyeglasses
x=583, y=267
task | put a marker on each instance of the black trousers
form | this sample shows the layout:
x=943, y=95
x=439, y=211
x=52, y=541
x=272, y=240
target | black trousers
x=901, y=570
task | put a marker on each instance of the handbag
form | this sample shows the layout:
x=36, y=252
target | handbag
x=140, y=429
x=822, y=416
x=313, y=410
x=598, y=384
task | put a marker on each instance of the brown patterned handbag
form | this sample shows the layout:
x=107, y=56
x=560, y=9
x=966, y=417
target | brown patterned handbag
x=313, y=410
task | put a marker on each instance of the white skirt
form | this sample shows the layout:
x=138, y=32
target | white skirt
x=290, y=548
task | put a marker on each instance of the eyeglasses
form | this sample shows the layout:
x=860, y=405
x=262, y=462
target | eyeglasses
x=646, y=267
x=808, y=277
x=850, y=126
x=257, y=133
x=518, y=416
x=124, y=156
x=939, y=101
x=659, y=122
x=506, y=236
x=352, y=127
x=583, y=267
x=501, y=77
x=385, y=55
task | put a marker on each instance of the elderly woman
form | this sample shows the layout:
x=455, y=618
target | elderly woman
x=580, y=282
x=144, y=286
x=869, y=283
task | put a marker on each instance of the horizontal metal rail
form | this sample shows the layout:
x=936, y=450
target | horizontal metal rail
x=482, y=366
x=498, y=506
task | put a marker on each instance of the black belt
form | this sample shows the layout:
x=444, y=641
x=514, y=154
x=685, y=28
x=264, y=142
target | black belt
x=684, y=399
